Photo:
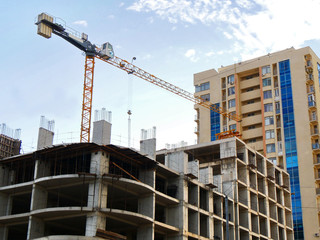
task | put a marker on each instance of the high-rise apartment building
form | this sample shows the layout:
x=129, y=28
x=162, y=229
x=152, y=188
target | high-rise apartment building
x=277, y=96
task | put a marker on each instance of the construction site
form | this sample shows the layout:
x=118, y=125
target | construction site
x=218, y=190
x=93, y=189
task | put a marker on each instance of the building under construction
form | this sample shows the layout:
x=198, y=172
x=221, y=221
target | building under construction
x=9, y=141
x=217, y=190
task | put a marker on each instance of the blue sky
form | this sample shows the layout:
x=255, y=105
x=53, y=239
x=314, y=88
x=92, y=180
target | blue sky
x=170, y=39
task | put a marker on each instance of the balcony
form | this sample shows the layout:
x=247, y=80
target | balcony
x=196, y=130
x=250, y=83
x=280, y=153
x=258, y=146
x=196, y=118
x=250, y=95
x=314, y=133
x=252, y=133
x=316, y=160
x=318, y=191
x=251, y=120
x=251, y=107
x=309, y=65
x=313, y=118
x=312, y=104
x=278, y=124
x=309, y=79
x=315, y=146
x=223, y=85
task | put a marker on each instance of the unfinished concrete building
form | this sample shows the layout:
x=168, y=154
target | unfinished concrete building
x=10, y=144
x=89, y=191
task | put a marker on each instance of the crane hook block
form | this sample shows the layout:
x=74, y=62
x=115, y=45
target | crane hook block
x=43, y=29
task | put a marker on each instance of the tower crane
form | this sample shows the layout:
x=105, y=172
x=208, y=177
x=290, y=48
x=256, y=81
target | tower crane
x=48, y=24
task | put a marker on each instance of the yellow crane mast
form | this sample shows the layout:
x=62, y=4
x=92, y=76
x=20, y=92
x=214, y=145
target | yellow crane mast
x=48, y=24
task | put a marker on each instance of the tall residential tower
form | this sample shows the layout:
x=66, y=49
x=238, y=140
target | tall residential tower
x=277, y=96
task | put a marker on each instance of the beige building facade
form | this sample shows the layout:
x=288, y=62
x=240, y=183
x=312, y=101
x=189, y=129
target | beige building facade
x=277, y=96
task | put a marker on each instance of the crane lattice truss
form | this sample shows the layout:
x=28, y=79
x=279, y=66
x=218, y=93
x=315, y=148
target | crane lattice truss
x=130, y=68
x=48, y=25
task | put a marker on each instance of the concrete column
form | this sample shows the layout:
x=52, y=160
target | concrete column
x=97, y=193
x=148, y=177
x=39, y=197
x=45, y=138
x=4, y=175
x=3, y=232
x=146, y=205
x=35, y=228
x=148, y=147
x=4, y=199
x=95, y=221
x=211, y=221
x=177, y=161
x=145, y=232
x=99, y=163
x=101, y=132
x=42, y=169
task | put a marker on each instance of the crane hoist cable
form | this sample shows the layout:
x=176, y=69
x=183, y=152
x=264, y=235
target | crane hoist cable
x=48, y=24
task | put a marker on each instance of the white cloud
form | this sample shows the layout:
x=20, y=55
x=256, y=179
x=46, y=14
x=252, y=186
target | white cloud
x=191, y=54
x=209, y=54
x=121, y=4
x=173, y=28
x=146, y=57
x=150, y=19
x=255, y=27
x=227, y=35
x=83, y=23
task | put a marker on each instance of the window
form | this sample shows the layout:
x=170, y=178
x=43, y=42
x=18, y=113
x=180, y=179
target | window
x=232, y=103
x=231, y=79
x=205, y=97
x=274, y=160
x=311, y=88
x=233, y=127
x=202, y=87
x=267, y=94
x=266, y=82
x=250, y=114
x=250, y=102
x=268, y=107
x=253, y=140
x=276, y=92
x=250, y=89
x=265, y=70
x=311, y=101
x=309, y=64
x=252, y=127
x=231, y=91
x=271, y=148
x=277, y=105
x=270, y=134
x=268, y=121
